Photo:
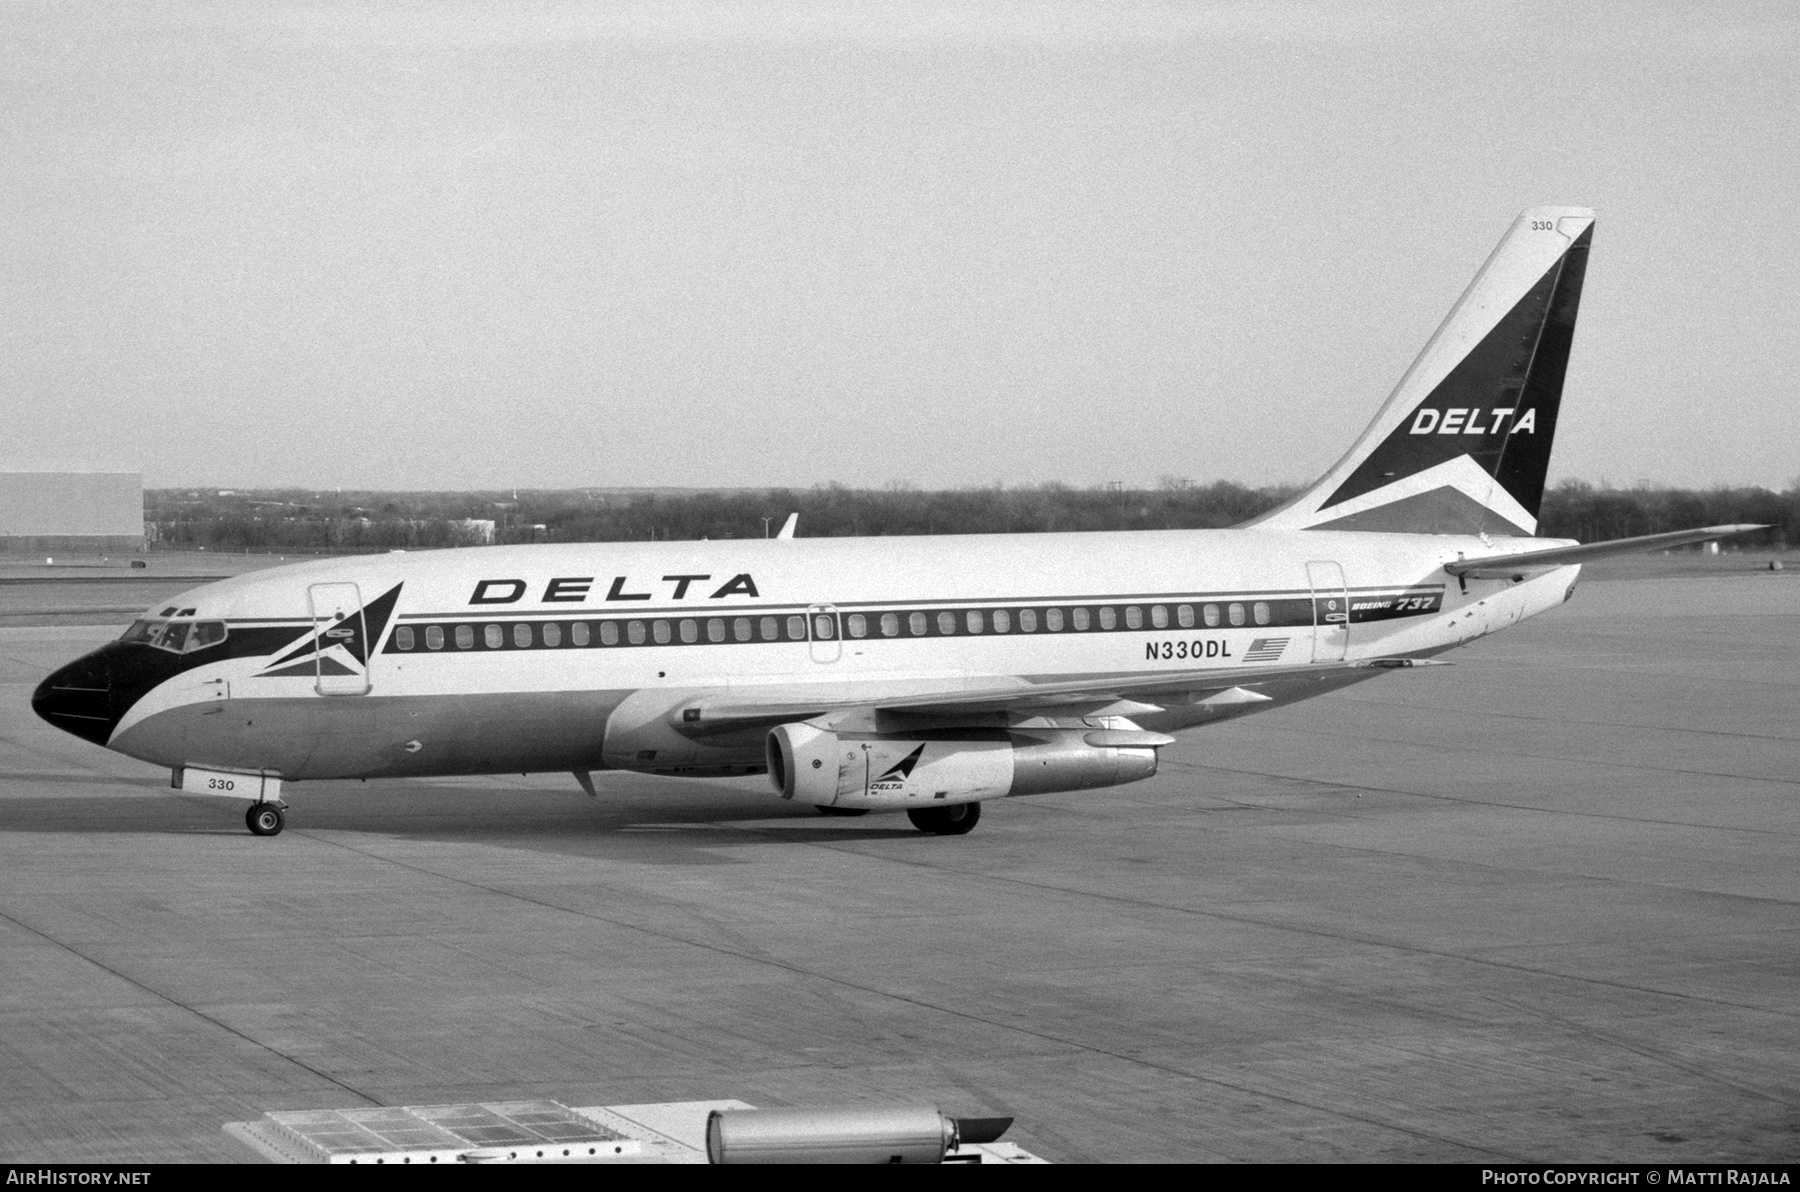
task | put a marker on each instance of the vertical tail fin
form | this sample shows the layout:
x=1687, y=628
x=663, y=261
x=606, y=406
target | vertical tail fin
x=1463, y=443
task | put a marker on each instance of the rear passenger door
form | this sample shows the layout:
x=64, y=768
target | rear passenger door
x=1331, y=611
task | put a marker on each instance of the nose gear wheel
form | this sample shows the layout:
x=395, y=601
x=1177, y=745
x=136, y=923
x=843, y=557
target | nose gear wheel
x=264, y=819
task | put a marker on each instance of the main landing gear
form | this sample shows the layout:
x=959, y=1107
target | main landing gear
x=946, y=821
x=265, y=819
x=939, y=821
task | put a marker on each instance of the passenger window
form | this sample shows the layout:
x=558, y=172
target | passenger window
x=403, y=638
x=890, y=625
x=660, y=631
x=1002, y=621
x=740, y=629
x=690, y=632
x=823, y=628
x=1027, y=620
x=634, y=632
x=771, y=629
x=522, y=636
x=1134, y=617
x=918, y=624
x=1080, y=617
x=492, y=637
x=1261, y=611
x=552, y=634
x=946, y=623
x=973, y=620
x=796, y=629
x=1109, y=618
x=1237, y=614
x=1053, y=620
x=578, y=633
x=1184, y=616
x=1212, y=616
x=1159, y=617
x=715, y=630
x=858, y=625
x=465, y=637
x=434, y=637
x=609, y=633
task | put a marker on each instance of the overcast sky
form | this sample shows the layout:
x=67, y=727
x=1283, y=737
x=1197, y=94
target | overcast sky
x=547, y=245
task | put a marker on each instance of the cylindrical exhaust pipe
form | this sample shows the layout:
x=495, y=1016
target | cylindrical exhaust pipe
x=905, y=1134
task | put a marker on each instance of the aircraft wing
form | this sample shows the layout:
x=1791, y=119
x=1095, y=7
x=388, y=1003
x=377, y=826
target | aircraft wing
x=1523, y=562
x=1122, y=695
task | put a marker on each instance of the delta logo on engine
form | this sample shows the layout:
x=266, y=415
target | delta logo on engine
x=899, y=772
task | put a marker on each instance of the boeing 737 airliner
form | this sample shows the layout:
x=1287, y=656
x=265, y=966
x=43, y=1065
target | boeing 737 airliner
x=916, y=674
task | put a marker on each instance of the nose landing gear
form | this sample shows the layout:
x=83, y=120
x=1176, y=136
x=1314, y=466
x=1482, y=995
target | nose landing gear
x=265, y=819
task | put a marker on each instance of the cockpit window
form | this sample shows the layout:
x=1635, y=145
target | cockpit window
x=177, y=637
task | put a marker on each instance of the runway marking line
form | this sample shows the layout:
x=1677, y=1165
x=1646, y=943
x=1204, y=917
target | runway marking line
x=951, y=1011
x=180, y=1005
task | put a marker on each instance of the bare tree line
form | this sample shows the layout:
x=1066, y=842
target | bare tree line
x=301, y=522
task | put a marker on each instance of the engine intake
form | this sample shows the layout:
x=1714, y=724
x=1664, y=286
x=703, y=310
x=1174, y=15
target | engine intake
x=814, y=765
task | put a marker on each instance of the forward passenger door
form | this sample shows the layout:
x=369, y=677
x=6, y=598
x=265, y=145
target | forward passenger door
x=340, y=637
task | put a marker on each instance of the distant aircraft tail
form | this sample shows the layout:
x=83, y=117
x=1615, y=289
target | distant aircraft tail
x=1463, y=443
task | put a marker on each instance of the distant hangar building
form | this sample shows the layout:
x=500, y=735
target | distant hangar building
x=72, y=512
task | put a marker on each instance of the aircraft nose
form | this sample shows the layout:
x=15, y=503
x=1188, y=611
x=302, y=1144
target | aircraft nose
x=78, y=699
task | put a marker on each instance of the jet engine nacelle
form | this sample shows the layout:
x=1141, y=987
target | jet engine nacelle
x=814, y=765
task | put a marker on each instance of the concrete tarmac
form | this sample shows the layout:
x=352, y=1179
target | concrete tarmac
x=1538, y=906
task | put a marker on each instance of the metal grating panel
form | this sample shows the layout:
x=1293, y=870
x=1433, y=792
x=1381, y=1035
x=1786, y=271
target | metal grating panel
x=516, y=1123
x=476, y=1125
x=351, y=1132
x=400, y=1130
x=337, y=1134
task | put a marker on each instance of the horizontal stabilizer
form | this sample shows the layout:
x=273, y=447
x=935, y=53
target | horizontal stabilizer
x=1507, y=566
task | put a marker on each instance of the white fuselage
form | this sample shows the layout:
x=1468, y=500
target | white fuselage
x=540, y=658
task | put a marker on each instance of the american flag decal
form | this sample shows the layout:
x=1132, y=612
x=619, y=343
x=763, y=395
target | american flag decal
x=1266, y=649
